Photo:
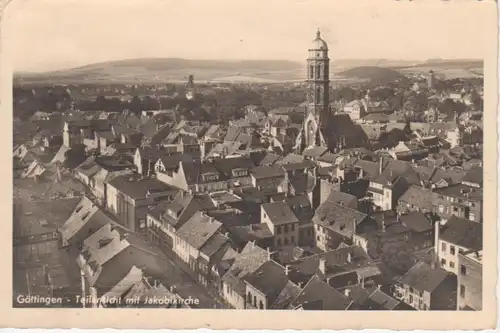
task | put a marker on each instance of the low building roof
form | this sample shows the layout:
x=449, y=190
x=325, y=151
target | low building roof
x=474, y=176
x=279, y=213
x=246, y=262
x=325, y=296
x=423, y=277
x=416, y=221
x=198, y=230
x=268, y=171
x=464, y=233
x=39, y=217
x=138, y=187
x=270, y=279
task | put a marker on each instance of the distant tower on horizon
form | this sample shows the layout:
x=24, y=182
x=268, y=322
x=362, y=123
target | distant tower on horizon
x=190, y=88
x=430, y=79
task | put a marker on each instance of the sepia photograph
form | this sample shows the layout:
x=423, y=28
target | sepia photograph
x=282, y=155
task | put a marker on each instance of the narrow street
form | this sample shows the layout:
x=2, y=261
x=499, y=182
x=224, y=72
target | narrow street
x=185, y=285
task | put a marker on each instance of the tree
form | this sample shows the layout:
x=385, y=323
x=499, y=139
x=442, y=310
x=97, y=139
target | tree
x=398, y=256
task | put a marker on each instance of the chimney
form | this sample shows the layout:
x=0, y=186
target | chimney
x=347, y=292
x=287, y=269
x=322, y=265
x=268, y=254
x=380, y=165
x=437, y=225
x=383, y=223
x=349, y=257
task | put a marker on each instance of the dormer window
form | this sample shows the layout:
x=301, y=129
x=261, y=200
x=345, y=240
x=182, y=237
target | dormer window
x=210, y=176
x=240, y=172
x=104, y=241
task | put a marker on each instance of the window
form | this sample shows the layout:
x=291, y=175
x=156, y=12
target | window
x=452, y=250
x=410, y=299
x=317, y=238
x=441, y=208
x=443, y=247
x=286, y=228
x=261, y=305
x=411, y=289
x=286, y=241
x=292, y=240
x=279, y=242
x=463, y=270
x=278, y=230
x=443, y=262
x=462, y=291
x=452, y=264
x=255, y=301
x=293, y=227
x=311, y=71
x=249, y=297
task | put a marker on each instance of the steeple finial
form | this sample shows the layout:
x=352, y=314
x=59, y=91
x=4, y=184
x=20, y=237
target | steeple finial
x=318, y=34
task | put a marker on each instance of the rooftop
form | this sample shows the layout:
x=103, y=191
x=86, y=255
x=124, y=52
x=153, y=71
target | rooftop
x=317, y=291
x=423, y=277
x=39, y=217
x=138, y=187
x=464, y=233
x=279, y=213
x=198, y=230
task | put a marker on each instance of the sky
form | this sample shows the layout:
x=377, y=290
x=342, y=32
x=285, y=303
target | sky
x=52, y=34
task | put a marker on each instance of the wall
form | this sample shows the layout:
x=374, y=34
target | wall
x=258, y=299
x=232, y=297
x=444, y=297
x=472, y=280
x=286, y=234
x=184, y=250
x=420, y=300
x=111, y=198
x=306, y=234
x=138, y=162
x=448, y=256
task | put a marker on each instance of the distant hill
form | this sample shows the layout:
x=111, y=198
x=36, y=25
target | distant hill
x=151, y=70
x=351, y=63
x=168, y=69
x=373, y=73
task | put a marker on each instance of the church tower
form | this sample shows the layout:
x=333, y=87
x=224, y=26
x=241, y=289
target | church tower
x=318, y=95
x=318, y=78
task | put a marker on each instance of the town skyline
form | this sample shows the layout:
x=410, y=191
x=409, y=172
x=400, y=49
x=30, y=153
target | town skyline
x=139, y=31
